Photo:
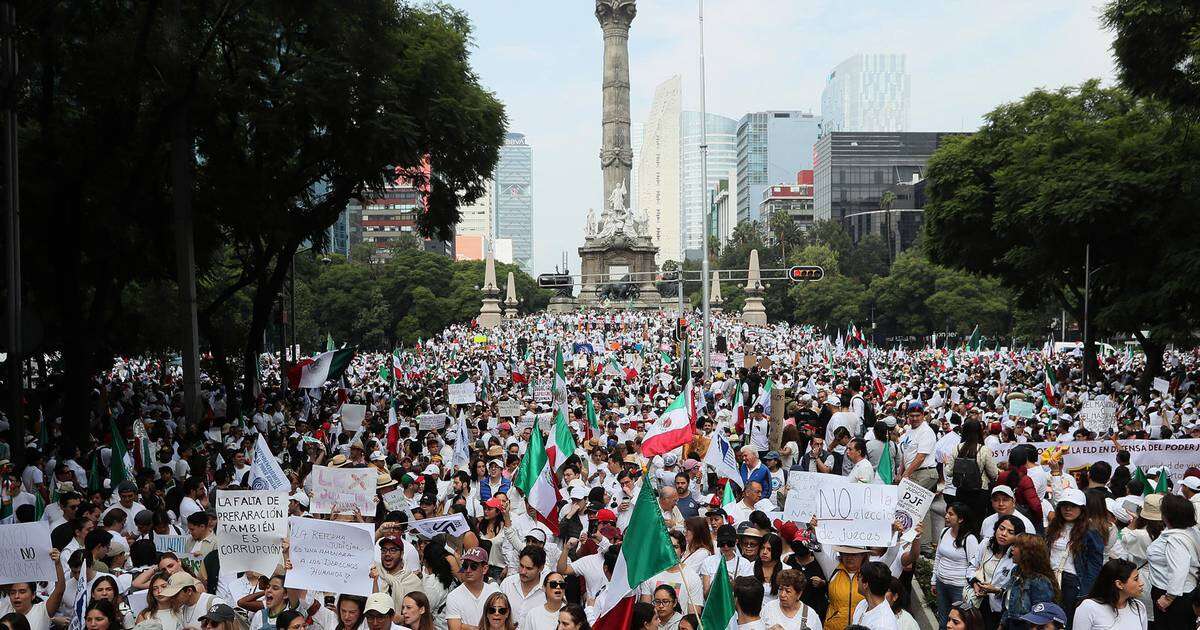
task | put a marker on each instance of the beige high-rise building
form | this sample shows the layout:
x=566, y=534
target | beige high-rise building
x=658, y=170
x=473, y=234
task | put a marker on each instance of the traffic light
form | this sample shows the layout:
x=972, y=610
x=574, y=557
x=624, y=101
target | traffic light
x=805, y=273
x=681, y=328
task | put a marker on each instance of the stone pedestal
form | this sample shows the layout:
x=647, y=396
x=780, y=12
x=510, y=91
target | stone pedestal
x=489, y=312
x=561, y=304
x=510, y=298
x=753, y=312
x=610, y=259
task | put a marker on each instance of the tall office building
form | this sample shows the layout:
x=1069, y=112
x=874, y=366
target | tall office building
x=854, y=169
x=513, y=210
x=383, y=218
x=658, y=170
x=473, y=234
x=772, y=146
x=694, y=197
x=866, y=93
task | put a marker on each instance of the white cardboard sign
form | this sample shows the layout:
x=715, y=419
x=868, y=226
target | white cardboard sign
x=858, y=514
x=251, y=526
x=25, y=553
x=352, y=416
x=461, y=393
x=343, y=488
x=330, y=556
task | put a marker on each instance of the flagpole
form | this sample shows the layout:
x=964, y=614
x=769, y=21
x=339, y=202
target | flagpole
x=706, y=209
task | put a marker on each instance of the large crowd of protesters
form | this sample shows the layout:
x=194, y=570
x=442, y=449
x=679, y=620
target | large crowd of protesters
x=1016, y=538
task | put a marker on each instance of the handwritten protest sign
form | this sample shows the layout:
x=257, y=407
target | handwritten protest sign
x=251, y=526
x=342, y=489
x=453, y=524
x=1161, y=385
x=1099, y=415
x=1176, y=455
x=25, y=553
x=1020, y=409
x=352, y=416
x=912, y=503
x=431, y=421
x=541, y=392
x=719, y=360
x=856, y=514
x=461, y=393
x=330, y=556
x=395, y=500
x=174, y=544
x=509, y=408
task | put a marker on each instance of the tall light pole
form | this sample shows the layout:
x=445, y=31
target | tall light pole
x=12, y=234
x=704, y=280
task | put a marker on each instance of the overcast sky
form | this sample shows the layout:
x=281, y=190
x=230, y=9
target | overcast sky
x=543, y=59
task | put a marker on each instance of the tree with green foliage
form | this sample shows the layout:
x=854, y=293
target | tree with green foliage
x=1157, y=46
x=1058, y=173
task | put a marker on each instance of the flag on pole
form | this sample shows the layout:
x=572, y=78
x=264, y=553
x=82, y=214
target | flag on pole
x=116, y=464
x=1139, y=475
x=462, y=442
x=1050, y=385
x=536, y=481
x=975, y=342
x=718, y=606
x=885, y=471
x=739, y=409
x=876, y=381
x=764, y=397
x=645, y=552
x=561, y=444
x=675, y=427
x=559, y=388
x=727, y=498
x=722, y=458
x=593, y=420
x=329, y=347
x=1162, y=488
x=314, y=372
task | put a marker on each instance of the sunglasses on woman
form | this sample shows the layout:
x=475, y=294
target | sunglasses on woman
x=556, y=584
x=497, y=610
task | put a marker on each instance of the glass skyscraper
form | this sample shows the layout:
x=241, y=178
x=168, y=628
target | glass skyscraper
x=514, y=198
x=866, y=93
x=772, y=147
x=722, y=155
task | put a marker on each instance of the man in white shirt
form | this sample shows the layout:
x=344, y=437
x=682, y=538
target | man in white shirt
x=861, y=470
x=524, y=589
x=748, y=600
x=751, y=500
x=464, y=605
x=917, y=461
x=127, y=493
x=874, y=612
x=1004, y=503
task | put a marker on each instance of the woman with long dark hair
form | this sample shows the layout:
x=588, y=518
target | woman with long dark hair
x=699, y=542
x=768, y=566
x=1113, y=603
x=1076, y=548
x=643, y=617
x=102, y=615
x=350, y=611
x=572, y=617
x=1032, y=582
x=972, y=449
x=415, y=612
x=437, y=575
x=994, y=567
x=1173, y=565
x=957, y=546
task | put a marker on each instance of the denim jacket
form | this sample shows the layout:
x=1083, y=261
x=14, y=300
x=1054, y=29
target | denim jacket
x=1024, y=592
x=1087, y=563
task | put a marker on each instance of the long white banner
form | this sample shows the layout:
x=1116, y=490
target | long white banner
x=1176, y=455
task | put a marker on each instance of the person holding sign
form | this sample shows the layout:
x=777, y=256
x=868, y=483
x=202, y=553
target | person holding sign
x=21, y=596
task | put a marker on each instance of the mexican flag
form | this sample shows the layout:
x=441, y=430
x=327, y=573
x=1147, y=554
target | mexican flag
x=976, y=340
x=593, y=420
x=559, y=388
x=739, y=409
x=645, y=553
x=885, y=471
x=718, y=606
x=1050, y=386
x=327, y=366
x=561, y=444
x=764, y=397
x=536, y=480
x=675, y=427
x=116, y=464
x=613, y=368
x=876, y=381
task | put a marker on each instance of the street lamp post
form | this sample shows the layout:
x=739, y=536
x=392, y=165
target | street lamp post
x=704, y=282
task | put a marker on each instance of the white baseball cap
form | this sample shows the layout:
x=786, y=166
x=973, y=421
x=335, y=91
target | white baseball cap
x=1073, y=497
x=381, y=603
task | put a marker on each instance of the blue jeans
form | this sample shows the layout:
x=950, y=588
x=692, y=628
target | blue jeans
x=1070, y=595
x=947, y=594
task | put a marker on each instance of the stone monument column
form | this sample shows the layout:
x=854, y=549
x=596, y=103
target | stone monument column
x=489, y=312
x=510, y=297
x=714, y=294
x=616, y=152
x=754, y=312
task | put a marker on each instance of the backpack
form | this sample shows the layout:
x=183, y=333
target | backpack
x=868, y=417
x=967, y=475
